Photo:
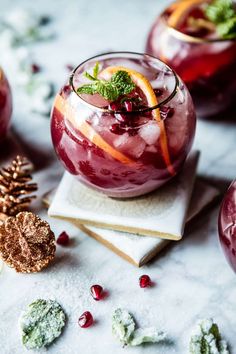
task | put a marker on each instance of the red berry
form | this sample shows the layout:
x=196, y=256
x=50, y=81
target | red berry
x=158, y=92
x=144, y=281
x=123, y=118
x=114, y=106
x=167, y=112
x=96, y=292
x=128, y=106
x=85, y=320
x=63, y=239
x=65, y=91
x=35, y=68
x=116, y=129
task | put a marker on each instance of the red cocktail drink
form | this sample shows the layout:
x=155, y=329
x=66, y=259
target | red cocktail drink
x=5, y=105
x=185, y=39
x=126, y=126
x=227, y=225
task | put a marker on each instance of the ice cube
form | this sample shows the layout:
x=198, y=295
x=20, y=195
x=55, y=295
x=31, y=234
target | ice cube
x=150, y=132
x=133, y=145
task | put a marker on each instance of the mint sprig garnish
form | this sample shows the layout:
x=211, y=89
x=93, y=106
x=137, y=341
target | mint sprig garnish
x=227, y=29
x=222, y=13
x=120, y=84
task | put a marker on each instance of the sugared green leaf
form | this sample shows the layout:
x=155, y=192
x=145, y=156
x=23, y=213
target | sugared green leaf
x=41, y=323
x=206, y=339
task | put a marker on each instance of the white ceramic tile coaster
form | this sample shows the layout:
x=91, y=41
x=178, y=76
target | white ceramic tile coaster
x=138, y=249
x=161, y=213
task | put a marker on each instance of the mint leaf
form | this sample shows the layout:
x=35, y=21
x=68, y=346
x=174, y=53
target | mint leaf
x=41, y=323
x=220, y=11
x=96, y=70
x=107, y=90
x=89, y=89
x=90, y=77
x=119, y=84
x=206, y=339
x=122, y=325
x=146, y=335
x=123, y=82
x=227, y=29
x=123, y=328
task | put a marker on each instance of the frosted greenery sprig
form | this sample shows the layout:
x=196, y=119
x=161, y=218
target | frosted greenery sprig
x=123, y=328
x=206, y=339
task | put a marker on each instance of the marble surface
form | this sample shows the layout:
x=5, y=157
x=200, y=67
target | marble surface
x=192, y=279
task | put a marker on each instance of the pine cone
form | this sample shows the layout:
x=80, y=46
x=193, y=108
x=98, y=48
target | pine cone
x=26, y=242
x=14, y=185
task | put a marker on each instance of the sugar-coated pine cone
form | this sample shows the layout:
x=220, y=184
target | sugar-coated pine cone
x=15, y=187
x=26, y=242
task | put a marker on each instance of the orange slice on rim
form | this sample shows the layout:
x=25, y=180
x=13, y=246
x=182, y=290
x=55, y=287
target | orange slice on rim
x=87, y=130
x=181, y=10
x=142, y=82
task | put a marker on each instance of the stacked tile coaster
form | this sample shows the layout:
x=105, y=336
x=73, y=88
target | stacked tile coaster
x=137, y=228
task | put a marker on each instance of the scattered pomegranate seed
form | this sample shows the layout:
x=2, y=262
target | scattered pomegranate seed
x=116, y=129
x=85, y=320
x=128, y=106
x=144, y=281
x=96, y=292
x=63, y=239
x=35, y=68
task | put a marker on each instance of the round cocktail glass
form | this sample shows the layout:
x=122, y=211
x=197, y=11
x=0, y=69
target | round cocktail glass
x=116, y=148
x=5, y=105
x=205, y=64
x=227, y=225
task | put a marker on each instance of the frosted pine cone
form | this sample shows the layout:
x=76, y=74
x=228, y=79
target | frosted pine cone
x=26, y=242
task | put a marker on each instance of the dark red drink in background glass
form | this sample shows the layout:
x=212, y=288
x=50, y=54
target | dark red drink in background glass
x=5, y=105
x=120, y=148
x=205, y=62
x=227, y=225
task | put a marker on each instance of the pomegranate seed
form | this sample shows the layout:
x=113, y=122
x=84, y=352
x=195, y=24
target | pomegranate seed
x=35, y=68
x=128, y=106
x=66, y=90
x=63, y=239
x=132, y=132
x=114, y=106
x=122, y=118
x=116, y=129
x=144, y=281
x=96, y=292
x=167, y=112
x=85, y=320
x=158, y=92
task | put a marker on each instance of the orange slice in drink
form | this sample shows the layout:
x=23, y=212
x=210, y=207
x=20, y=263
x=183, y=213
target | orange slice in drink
x=143, y=83
x=181, y=10
x=87, y=130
